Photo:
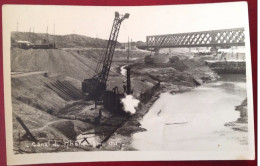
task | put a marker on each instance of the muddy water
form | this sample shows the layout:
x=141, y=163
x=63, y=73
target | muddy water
x=195, y=120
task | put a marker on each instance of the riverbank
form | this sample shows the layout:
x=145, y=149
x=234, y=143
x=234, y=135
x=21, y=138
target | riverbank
x=173, y=78
x=241, y=124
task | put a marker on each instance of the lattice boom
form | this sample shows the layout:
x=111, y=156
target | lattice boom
x=225, y=37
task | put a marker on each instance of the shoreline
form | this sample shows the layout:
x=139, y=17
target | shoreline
x=143, y=109
x=239, y=125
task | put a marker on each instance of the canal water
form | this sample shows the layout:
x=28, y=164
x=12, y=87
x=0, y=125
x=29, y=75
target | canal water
x=195, y=120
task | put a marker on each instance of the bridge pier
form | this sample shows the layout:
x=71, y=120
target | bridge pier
x=156, y=51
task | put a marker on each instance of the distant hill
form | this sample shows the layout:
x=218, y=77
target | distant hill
x=61, y=41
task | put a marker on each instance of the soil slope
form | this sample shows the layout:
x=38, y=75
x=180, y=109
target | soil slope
x=72, y=64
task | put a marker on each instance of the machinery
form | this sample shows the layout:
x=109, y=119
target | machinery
x=96, y=86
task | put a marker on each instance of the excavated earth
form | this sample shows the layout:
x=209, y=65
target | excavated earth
x=241, y=124
x=46, y=96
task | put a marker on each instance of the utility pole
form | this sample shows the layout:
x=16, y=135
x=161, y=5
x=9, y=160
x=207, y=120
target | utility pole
x=54, y=28
x=29, y=34
x=131, y=44
x=47, y=34
x=128, y=51
x=17, y=24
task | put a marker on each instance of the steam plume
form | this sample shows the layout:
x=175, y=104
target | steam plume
x=130, y=104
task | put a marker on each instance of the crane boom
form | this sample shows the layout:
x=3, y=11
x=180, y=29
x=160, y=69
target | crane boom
x=97, y=84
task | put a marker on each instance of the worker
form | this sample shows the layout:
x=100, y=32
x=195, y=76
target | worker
x=115, y=89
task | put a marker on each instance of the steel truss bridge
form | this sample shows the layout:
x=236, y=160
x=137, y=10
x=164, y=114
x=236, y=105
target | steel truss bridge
x=224, y=37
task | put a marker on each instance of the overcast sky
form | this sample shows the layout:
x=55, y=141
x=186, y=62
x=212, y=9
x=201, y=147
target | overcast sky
x=143, y=21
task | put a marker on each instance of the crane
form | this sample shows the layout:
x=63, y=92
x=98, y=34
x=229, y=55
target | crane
x=96, y=85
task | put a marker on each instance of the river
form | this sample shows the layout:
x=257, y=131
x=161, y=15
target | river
x=194, y=120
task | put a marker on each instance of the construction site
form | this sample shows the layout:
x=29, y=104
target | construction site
x=77, y=93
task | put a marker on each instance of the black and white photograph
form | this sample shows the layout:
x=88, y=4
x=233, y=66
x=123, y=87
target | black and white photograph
x=127, y=83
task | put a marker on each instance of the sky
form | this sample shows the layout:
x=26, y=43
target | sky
x=94, y=21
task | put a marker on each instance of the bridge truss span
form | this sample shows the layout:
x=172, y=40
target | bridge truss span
x=224, y=37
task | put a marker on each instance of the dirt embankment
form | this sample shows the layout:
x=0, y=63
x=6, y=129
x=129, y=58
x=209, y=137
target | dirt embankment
x=175, y=77
x=241, y=123
x=49, y=108
x=36, y=105
x=37, y=97
x=45, y=91
x=71, y=64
